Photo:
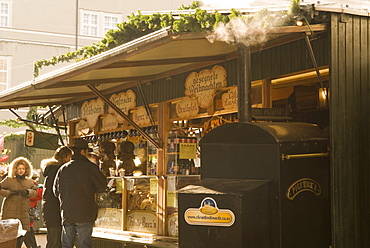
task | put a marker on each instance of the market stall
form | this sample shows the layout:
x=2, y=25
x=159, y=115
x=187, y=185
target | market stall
x=144, y=117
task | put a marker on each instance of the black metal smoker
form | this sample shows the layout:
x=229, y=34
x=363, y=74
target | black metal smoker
x=271, y=178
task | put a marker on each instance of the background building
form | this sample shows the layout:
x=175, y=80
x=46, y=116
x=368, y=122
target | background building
x=40, y=29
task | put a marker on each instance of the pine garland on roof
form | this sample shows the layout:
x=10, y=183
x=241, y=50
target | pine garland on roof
x=139, y=25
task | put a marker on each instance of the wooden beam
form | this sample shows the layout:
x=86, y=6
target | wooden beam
x=185, y=60
x=55, y=96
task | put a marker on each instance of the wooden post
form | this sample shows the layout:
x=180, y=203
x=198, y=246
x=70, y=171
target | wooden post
x=266, y=93
x=163, y=128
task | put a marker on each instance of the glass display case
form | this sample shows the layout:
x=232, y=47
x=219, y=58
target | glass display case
x=129, y=204
x=110, y=212
x=152, y=163
x=141, y=204
x=175, y=183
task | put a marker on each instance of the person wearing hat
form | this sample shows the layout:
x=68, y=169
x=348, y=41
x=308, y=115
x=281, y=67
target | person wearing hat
x=76, y=184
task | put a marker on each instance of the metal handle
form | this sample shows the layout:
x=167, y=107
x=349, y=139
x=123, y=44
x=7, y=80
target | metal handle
x=306, y=155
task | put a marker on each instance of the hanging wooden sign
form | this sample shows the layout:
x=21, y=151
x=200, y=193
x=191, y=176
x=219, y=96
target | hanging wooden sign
x=230, y=99
x=124, y=101
x=82, y=128
x=188, y=107
x=91, y=110
x=140, y=116
x=204, y=84
x=109, y=122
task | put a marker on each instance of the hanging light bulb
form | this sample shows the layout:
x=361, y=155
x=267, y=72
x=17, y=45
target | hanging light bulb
x=323, y=97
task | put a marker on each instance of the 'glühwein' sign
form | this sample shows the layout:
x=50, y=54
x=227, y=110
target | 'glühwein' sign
x=204, y=84
x=91, y=110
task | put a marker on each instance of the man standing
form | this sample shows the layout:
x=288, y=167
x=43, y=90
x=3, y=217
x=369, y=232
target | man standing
x=76, y=183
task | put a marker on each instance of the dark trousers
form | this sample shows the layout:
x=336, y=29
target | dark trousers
x=20, y=240
x=83, y=231
x=54, y=237
x=30, y=239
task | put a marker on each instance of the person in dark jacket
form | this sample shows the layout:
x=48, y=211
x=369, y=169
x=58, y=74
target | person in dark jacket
x=76, y=184
x=50, y=203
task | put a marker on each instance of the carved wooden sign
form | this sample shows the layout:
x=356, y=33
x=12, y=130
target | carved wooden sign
x=230, y=99
x=187, y=107
x=140, y=116
x=124, y=101
x=91, y=110
x=82, y=128
x=109, y=122
x=204, y=84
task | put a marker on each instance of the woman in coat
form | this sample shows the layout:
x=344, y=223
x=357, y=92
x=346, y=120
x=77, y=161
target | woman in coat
x=17, y=188
x=50, y=204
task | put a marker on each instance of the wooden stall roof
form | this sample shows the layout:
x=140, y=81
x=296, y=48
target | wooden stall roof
x=158, y=55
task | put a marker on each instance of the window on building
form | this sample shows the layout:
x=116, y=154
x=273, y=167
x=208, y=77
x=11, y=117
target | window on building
x=4, y=73
x=90, y=24
x=110, y=22
x=98, y=23
x=4, y=14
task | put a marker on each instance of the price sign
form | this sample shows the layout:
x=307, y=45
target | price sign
x=188, y=151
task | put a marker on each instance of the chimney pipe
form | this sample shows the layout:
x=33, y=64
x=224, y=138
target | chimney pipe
x=244, y=84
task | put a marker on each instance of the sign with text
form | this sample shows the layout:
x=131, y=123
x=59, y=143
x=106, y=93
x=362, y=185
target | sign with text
x=209, y=214
x=187, y=107
x=109, y=123
x=140, y=116
x=204, y=84
x=230, y=99
x=124, y=101
x=109, y=218
x=141, y=221
x=91, y=110
x=188, y=151
x=32, y=139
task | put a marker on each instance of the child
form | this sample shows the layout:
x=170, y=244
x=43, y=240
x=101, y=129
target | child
x=30, y=239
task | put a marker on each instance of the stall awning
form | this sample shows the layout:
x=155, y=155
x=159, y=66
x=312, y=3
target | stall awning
x=158, y=55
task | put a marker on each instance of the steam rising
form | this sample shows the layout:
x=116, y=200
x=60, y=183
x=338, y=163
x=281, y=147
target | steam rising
x=247, y=30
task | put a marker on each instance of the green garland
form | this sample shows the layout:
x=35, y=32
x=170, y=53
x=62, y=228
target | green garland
x=139, y=25
x=15, y=123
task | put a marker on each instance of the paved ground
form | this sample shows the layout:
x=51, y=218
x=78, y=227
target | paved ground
x=41, y=240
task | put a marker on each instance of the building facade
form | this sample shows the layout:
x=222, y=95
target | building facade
x=40, y=29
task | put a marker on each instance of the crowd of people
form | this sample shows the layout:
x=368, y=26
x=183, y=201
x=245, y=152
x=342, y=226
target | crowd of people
x=68, y=196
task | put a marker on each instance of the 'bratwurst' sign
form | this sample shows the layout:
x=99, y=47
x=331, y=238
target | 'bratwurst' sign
x=204, y=84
